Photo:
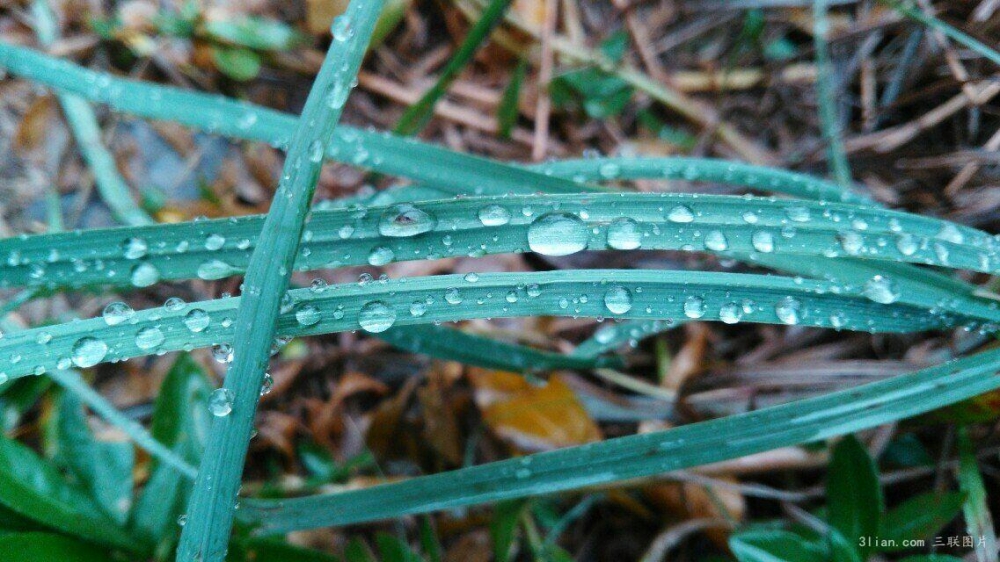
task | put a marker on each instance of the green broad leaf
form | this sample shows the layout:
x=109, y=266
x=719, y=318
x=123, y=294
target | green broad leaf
x=507, y=111
x=237, y=63
x=393, y=549
x=34, y=489
x=318, y=461
x=599, y=94
x=917, y=518
x=104, y=468
x=615, y=46
x=47, y=547
x=774, y=546
x=853, y=493
x=180, y=422
x=254, y=32
x=19, y=396
x=906, y=451
x=503, y=528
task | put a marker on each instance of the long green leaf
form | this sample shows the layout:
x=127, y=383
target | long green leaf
x=44, y=547
x=376, y=306
x=417, y=115
x=206, y=535
x=647, y=454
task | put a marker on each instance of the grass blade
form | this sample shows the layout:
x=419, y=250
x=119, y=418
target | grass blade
x=828, y=113
x=978, y=520
x=950, y=31
x=654, y=295
x=641, y=455
x=417, y=115
x=206, y=536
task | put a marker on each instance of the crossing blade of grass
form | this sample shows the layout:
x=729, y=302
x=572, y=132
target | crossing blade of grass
x=624, y=458
x=387, y=154
x=476, y=226
x=206, y=535
x=950, y=31
x=978, y=519
x=456, y=345
x=611, y=337
x=82, y=121
x=417, y=115
x=377, y=306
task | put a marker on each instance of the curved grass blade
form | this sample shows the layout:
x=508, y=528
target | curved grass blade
x=624, y=458
x=417, y=115
x=951, y=32
x=387, y=154
x=356, y=236
x=456, y=345
x=206, y=535
x=377, y=306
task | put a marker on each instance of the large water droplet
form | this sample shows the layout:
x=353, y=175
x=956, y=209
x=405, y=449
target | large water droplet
x=197, y=320
x=788, y=310
x=716, y=241
x=881, y=290
x=618, y=299
x=681, y=214
x=135, y=248
x=144, y=275
x=694, y=307
x=307, y=315
x=214, y=242
x=215, y=269
x=88, y=352
x=852, y=242
x=624, y=234
x=731, y=313
x=494, y=215
x=223, y=353
x=763, y=241
x=220, y=403
x=149, y=337
x=405, y=220
x=558, y=234
x=381, y=255
x=376, y=317
x=116, y=313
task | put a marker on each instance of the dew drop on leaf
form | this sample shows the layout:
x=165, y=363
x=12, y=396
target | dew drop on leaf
x=881, y=290
x=144, y=275
x=788, y=310
x=404, y=220
x=307, y=315
x=376, y=317
x=149, y=337
x=624, y=234
x=618, y=299
x=197, y=320
x=135, y=248
x=494, y=215
x=220, y=403
x=116, y=313
x=680, y=214
x=558, y=234
x=694, y=307
x=716, y=241
x=762, y=241
x=731, y=313
x=88, y=352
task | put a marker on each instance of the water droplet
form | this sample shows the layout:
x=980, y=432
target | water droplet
x=215, y=269
x=223, y=353
x=88, y=352
x=174, y=304
x=694, y=307
x=376, y=317
x=618, y=299
x=716, y=241
x=788, y=310
x=381, y=256
x=681, y=214
x=609, y=170
x=220, y=403
x=149, y=337
x=341, y=28
x=558, y=234
x=797, y=214
x=307, y=315
x=135, y=248
x=851, y=241
x=494, y=215
x=405, y=220
x=881, y=290
x=116, y=313
x=907, y=244
x=418, y=309
x=763, y=241
x=534, y=290
x=267, y=384
x=214, y=242
x=731, y=313
x=453, y=296
x=197, y=320
x=624, y=234
x=144, y=275
x=316, y=151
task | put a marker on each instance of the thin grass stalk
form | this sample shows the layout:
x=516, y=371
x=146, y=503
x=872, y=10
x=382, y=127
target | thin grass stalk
x=417, y=115
x=87, y=132
x=950, y=31
x=829, y=116
x=206, y=535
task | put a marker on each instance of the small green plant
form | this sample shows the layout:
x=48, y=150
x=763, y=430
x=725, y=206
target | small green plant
x=855, y=524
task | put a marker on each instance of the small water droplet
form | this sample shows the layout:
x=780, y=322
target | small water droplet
x=680, y=214
x=788, y=310
x=624, y=234
x=716, y=241
x=881, y=290
x=376, y=317
x=307, y=315
x=220, y=403
x=135, y=248
x=149, y=337
x=404, y=220
x=144, y=275
x=88, y=352
x=381, y=255
x=763, y=241
x=197, y=320
x=618, y=299
x=116, y=313
x=731, y=313
x=494, y=215
x=694, y=307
